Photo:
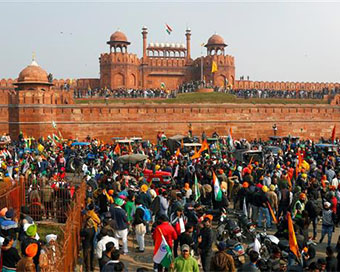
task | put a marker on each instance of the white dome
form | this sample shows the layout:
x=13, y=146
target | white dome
x=157, y=44
x=167, y=45
x=151, y=44
x=162, y=45
x=178, y=45
x=182, y=45
x=173, y=45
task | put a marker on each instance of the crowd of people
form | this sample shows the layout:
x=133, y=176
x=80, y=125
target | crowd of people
x=132, y=201
x=161, y=92
x=283, y=94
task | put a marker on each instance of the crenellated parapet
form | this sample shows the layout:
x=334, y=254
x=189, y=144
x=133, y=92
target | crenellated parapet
x=118, y=58
x=292, y=86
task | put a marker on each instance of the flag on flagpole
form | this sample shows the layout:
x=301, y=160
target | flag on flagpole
x=55, y=137
x=217, y=188
x=245, y=210
x=204, y=146
x=214, y=67
x=333, y=134
x=293, y=246
x=117, y=149
x=272, y=212
x=196, y=154
x=178, y=152
x=257, y=245
x=168, y=29
x=197, y=189
x=163, y=253
x=230, y=138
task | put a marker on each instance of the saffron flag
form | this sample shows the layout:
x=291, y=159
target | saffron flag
x=333, y=133
x=196, y=154
x=163, y=253
x=293, y=246
x=130, y=148
x=214, y=67
x=272, y=212
x=178, y=152
x=168, y=29
x=204, y=146
x=197, y=189
x=217, y=188
x=117, y=149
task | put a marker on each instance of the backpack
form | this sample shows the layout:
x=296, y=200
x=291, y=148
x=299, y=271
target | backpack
x=147, y=214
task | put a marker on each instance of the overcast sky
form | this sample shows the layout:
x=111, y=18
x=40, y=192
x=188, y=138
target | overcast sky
x=270, y=41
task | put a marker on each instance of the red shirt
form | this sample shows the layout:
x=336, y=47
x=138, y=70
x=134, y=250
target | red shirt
x=168, y=232
x=334, y=203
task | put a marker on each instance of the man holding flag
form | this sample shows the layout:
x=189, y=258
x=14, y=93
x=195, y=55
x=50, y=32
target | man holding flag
x=163, y=237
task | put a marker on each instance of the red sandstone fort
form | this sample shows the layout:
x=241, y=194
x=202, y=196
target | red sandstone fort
x=31, y=103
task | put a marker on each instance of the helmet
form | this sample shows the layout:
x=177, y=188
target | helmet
x=302, y=196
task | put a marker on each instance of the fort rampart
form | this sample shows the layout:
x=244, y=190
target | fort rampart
x=33, y=113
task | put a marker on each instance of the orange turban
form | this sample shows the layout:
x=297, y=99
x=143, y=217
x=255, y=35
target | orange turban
x=31, y=250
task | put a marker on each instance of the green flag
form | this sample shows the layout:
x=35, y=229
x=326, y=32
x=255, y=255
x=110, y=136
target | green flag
x=197, y=189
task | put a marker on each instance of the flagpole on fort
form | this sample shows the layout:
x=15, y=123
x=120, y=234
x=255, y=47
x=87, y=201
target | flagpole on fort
x=202, y=62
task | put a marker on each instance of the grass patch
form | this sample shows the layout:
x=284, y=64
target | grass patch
x=204, y=98
x=45, y=229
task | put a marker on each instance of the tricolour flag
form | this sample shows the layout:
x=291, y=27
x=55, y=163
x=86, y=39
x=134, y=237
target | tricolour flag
x=163, y=254
x=293, y=246
x=197, y=189
x=230, y=138
x=214, y=67
x=217, y=188
x=333, y=134
x=55, y=137
x=168, y=29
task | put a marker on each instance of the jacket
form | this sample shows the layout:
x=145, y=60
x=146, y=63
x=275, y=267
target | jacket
x=272, y=197
x=26, y=265
x=168, y=232
x=118, y=214
x=222, y=261
x=10, y=257
x=207, y=239
x=145, y=199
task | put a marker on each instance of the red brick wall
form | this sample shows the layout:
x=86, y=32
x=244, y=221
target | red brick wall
x=107, y=121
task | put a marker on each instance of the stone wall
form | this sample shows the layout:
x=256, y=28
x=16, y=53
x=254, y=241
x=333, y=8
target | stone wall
x=107, y=121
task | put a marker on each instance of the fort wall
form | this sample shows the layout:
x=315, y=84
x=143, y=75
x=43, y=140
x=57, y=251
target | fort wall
x=106, y=121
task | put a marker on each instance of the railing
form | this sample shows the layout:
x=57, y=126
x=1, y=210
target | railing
x=14, y=197
x=71, y=243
